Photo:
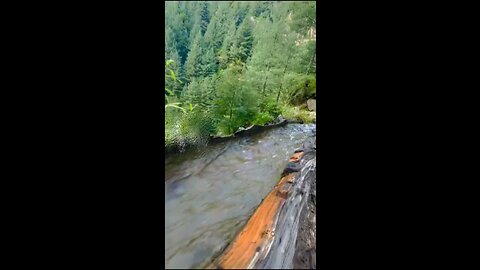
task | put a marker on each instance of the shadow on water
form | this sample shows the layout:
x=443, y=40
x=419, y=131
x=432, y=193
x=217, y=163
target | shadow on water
x=210, y=193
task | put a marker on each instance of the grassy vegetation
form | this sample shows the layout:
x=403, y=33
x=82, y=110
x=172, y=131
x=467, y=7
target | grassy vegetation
x=298, y=113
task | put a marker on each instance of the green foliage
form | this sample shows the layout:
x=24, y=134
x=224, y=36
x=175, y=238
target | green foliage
x=200, y=92
x=243, y=42
x=192, y=68
x=271, y=106
x=303, y=88
x=187, y=125
x=204, y=17
x=298, y=114
x=236, y=63
x=304, y=16
x=235, y=105
x=263, y=118
x=195, y=127
x=209, y=63
x=171, y=80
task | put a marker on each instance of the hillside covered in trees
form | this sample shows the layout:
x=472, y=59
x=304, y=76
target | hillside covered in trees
x=236, y=63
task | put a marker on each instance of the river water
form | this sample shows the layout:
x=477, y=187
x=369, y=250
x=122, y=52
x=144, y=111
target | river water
x=211, y=193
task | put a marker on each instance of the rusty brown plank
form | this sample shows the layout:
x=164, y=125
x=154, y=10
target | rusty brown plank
x=296, y=157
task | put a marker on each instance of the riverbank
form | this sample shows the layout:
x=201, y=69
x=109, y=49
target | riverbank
x=179, y=142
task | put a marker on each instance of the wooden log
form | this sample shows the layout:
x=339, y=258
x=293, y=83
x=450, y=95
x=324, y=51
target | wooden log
x=270, y=232
x=254, y=240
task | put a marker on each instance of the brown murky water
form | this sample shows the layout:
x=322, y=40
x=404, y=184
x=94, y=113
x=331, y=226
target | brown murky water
x=211, y=193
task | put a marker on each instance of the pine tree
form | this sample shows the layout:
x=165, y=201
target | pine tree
x=170, y=44
x=243, y=41
x=213, y=36
x=192, y=67
x=177, y=18
x=209, y=62
x=204, y=17
x=224, y=55
x=264, y=55
x=195, y=28
x=261, y=8
x=200, y=92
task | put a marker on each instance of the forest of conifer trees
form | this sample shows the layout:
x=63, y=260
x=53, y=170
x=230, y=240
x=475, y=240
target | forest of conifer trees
x=236, y=63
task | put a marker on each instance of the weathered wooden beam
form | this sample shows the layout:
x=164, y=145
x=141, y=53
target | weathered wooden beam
x=258, y=244
x=253, y=242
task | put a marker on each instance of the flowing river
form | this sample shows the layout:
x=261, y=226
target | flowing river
x=211, y=193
